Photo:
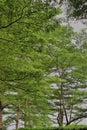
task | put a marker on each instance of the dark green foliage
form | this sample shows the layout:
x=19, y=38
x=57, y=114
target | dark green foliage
x=40, y=129
x=71, y=127
x=78, y=8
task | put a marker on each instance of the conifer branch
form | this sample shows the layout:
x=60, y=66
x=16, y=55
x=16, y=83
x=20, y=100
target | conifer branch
x=21, y=15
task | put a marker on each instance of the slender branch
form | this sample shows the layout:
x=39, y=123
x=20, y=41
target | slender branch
x=8, y=40
x=77, y=118
x=13, y=80
x=21, y=15
x=65, y=112
x=6, y=26
x=6, y=105
x=63, y=104
x=70, y=113
x=27, y=91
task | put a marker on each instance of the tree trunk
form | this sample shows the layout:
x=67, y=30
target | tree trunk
x=1, y=108
x=26, y=113
x=28, y=121
x=17, y=116
x=61, y=114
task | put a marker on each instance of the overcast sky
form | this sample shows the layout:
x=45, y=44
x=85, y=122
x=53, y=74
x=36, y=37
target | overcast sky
x=77, y=25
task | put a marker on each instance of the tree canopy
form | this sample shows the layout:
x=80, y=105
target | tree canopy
x=42, y=71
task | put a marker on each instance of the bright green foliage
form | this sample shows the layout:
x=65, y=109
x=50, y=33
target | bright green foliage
x=36, y=52
x=23, y=58
x=69, y=64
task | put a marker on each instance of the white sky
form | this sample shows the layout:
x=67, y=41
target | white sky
x=77, y=25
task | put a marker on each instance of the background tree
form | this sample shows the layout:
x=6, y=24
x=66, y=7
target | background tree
x=68, y=62
x=77, y=8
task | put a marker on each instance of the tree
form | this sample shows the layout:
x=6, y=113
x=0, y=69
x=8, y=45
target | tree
x=78, y=7
x=68, y=60
x=33, y=47
x=21, y=50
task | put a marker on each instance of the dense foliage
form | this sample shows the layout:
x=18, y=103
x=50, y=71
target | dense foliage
x=71, y=127
x=42, y=71
x=77, y=8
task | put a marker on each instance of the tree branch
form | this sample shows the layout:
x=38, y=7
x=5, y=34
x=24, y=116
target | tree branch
x=15, y=87
x=13, y=80
x=21, y=15
x=6, y=105
x=77, y=118
x=8, y=40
